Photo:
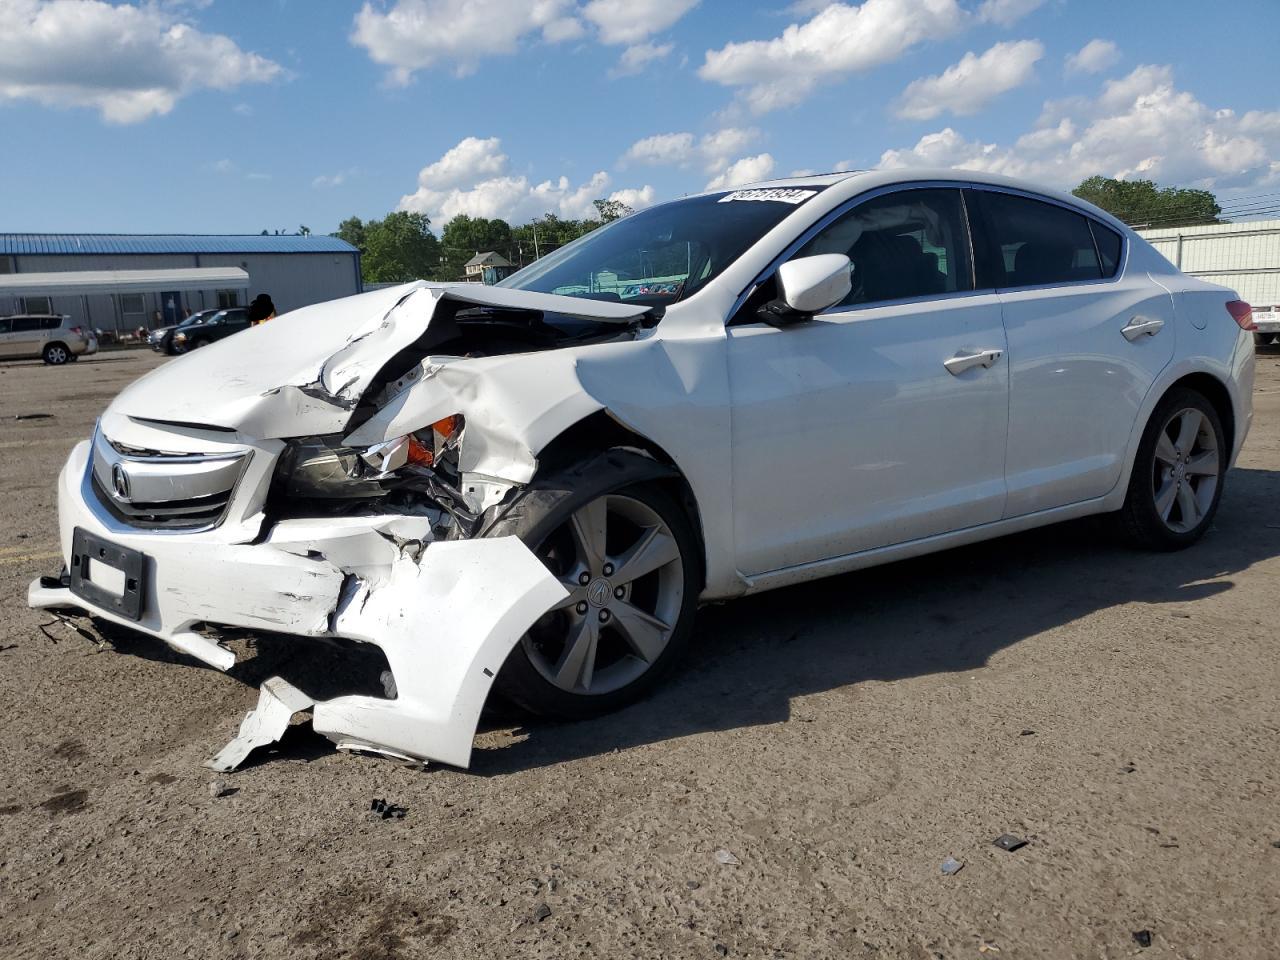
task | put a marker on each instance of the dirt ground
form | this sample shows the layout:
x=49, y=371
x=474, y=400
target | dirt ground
x=1117, y=710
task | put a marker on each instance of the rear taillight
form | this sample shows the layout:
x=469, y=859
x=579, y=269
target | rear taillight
x=78, y=331
x=1242, y=314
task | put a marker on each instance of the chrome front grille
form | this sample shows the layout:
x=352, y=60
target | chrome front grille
x=152, y=489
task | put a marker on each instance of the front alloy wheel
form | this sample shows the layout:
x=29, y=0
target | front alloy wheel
x=621, y=564
x=614, y=534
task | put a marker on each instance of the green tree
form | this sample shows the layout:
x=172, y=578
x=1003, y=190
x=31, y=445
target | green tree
x=463, y=237
x=400, y=247
x=1143, y=202
x=610, y=210
x=352, y=231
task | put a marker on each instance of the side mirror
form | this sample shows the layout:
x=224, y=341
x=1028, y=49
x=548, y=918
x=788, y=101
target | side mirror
x=808, y=286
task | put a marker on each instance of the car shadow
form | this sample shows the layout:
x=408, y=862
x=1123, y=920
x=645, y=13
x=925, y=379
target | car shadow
x=944, y=613
x=749, y=659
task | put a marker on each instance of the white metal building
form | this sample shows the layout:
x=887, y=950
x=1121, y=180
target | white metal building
x=1244, y=256
x=294, y=270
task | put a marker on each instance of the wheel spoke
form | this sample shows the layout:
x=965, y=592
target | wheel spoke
x=589, y=527
x=644, y=633
x=1204, y=464
x=1189, y=506
x=577, y=663
x=1188, y=428
x=1164, y=450
x=655, y=549
x=577, y=594
x=1164, y=499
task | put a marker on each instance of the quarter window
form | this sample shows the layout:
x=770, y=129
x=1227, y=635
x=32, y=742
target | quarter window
x=1108, y=243
x=906, y=244
x=1038, y=243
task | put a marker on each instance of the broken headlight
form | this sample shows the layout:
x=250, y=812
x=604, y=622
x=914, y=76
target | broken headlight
x=323, y=467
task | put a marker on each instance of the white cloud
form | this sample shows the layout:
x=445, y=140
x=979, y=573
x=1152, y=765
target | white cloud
x=712, y=152
x=630, y=21
x=127, y=62
x=224, y=166
x=1094, y=57
x=471, y=160
x=638, y=56
x=414, y=34
x=1141, y=125
x=637, y=198
x=968, y=86
x=1006, y=12
x=328, y=181
x=243, y=109
x=746, y=170
x=840, y=39
x=473, y=178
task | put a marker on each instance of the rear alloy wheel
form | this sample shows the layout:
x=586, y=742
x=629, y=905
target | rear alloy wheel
x=626, y=555
x=1177, y=476
x=55, y=354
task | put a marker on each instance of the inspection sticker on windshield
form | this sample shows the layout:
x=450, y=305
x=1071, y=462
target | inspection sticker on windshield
x=777, y=194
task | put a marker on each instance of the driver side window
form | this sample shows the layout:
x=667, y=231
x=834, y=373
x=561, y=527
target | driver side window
x=903, y=245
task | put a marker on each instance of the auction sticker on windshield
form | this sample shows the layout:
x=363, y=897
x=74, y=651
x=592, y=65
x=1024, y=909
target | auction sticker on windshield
x=778, y=195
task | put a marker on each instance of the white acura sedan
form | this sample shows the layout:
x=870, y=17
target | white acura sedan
x=534, y=485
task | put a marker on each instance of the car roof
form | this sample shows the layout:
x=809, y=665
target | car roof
x=853, y=182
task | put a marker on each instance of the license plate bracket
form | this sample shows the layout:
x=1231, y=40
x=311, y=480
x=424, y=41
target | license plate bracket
x=89, y=549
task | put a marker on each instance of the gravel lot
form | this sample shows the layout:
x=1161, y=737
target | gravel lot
x=1117, y=710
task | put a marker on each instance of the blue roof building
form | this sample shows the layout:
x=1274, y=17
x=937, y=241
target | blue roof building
x=295, y=270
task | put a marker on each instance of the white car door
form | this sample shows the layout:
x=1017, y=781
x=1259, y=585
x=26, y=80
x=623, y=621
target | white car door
x=883, y=419
x=1086, y=342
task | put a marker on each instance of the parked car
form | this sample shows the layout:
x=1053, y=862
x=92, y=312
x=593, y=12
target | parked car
x=212, y=328
x=56, y=339
x=508, y=485
x=161, y=338
x=1267, y=320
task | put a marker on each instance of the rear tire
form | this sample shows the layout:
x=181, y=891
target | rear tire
x=1177, y=474
x=55, y=354
x=623, y=629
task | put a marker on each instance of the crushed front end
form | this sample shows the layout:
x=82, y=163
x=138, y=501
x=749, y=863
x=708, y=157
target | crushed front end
x=215, y=494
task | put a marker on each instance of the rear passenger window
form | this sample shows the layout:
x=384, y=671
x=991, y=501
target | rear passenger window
x=910, y=243
x=1038, y=243
x=1108, y=243
x=25, y=324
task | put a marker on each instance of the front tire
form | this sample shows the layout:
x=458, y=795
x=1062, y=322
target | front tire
x=626, y=551
x=1177, y=474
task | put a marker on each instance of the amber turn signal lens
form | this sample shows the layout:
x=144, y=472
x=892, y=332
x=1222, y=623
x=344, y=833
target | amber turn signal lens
x=447, y=427
x=420, y=453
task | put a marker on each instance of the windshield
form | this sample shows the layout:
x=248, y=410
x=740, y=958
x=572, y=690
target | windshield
x=659, y=255
x=195, y=319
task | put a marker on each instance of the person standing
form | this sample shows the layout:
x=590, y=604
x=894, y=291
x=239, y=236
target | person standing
x=262, y=309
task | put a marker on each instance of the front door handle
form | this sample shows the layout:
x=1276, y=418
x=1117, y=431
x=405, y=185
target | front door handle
x=1140, y=326
x=967, y=361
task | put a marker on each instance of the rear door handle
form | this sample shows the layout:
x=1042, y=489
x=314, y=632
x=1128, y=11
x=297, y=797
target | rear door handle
x=1139, y=326
x=967, y=361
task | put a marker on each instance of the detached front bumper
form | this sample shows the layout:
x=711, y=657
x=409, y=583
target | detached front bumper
x=445, y=613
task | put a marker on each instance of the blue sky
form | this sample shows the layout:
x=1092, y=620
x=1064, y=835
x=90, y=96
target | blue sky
x=242, y=115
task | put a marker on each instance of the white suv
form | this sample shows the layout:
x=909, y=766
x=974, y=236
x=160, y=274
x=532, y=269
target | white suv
x=55, y=339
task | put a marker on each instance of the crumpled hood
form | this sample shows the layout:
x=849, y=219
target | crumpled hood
x=303, y=373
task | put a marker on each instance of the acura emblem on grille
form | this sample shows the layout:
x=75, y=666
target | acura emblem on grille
x=120, y=482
